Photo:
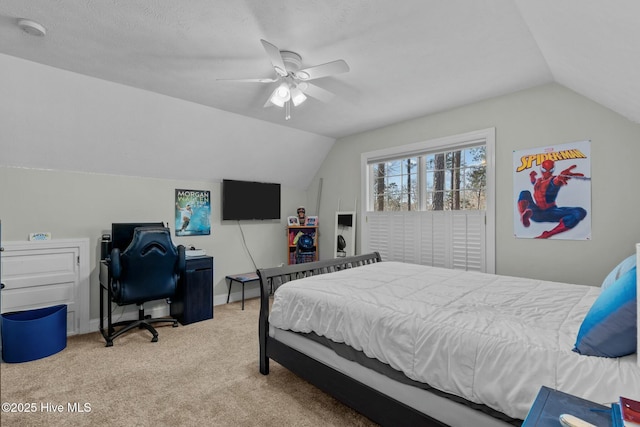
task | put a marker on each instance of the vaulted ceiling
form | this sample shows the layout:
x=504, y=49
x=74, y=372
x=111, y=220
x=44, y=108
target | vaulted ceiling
x=407, y=58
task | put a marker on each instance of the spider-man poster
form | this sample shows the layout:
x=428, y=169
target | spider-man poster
x=552, y=189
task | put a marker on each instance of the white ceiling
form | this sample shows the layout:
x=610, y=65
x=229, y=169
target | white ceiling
x=408, y=58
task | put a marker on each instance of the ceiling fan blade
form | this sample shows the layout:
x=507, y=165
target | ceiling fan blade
x=275, y=57
x=249, y=80
x=324, y=70
x=316, y=92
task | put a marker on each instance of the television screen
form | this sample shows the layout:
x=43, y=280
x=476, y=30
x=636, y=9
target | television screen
x=244, y=200
x=122, y=232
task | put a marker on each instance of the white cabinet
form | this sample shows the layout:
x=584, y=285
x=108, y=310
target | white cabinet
x=45, y=273
x=345, y=235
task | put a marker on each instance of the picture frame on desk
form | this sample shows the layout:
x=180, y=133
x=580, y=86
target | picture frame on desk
x=292, y=220
x=312, y=221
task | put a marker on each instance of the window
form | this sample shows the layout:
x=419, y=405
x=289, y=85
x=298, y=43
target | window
x=394, y=185
x=432, y=202
x=454, y=180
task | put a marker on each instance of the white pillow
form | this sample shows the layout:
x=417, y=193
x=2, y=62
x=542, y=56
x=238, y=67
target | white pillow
x=619, y=270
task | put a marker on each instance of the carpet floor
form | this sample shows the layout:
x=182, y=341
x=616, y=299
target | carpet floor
x=205, y=373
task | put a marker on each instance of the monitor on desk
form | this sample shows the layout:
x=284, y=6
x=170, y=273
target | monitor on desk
x=122, y=232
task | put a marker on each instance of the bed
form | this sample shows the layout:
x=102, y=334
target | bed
x=406, y=344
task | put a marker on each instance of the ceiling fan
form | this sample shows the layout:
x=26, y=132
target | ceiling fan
x=294, y=84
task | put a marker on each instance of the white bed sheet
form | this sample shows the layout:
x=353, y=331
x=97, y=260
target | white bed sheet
x=487, y=338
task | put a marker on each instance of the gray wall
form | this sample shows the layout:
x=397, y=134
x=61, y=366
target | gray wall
x=75, y=205
x=52, y=120
x=542, y=116
x=55, y=119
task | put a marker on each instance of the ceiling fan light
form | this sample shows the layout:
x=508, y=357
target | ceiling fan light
x=283, y=91
x=278, y=102
x=297, y=96
x=281, y=95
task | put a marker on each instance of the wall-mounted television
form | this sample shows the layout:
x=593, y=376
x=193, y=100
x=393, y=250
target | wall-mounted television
x=246, y=200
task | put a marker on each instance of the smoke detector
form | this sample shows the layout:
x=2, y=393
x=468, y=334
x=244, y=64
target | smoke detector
x=32, y=27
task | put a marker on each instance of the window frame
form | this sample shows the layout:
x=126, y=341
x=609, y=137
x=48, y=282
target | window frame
x=419, y=174
x=449, y=143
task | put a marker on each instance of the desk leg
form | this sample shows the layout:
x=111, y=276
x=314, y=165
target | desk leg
x=229, y=293
x=101, y=308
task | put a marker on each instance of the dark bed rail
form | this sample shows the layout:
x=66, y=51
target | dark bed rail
x=271, y=278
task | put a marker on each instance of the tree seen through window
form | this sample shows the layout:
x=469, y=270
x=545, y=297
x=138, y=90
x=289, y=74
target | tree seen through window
x=453, y=180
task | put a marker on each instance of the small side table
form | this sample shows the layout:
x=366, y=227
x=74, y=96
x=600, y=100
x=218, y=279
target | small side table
x=242, y=279
x=550, y=404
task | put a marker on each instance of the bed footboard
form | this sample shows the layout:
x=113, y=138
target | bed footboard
x=271, y=278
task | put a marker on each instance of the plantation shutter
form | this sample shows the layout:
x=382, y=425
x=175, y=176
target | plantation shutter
x=404, y=213
x=449, y=239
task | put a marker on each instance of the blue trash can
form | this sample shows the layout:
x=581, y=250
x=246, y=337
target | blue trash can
x=33, y=334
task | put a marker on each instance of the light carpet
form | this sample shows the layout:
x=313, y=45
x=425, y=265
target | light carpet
x=205, y=373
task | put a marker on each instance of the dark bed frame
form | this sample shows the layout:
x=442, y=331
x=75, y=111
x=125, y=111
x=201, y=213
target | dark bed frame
x=375, y=405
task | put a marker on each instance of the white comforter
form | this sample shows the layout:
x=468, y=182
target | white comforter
x=490, y=339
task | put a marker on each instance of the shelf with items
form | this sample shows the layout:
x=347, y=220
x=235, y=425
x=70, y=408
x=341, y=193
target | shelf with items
x=302, y=243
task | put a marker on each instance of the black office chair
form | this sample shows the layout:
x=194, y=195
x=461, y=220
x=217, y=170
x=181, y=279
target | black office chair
x=148, y=269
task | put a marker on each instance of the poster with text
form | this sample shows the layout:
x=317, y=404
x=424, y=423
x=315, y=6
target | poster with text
x=552, y=192
x=193, y=212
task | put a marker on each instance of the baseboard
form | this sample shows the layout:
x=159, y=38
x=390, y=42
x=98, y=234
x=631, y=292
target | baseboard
x=249, y=292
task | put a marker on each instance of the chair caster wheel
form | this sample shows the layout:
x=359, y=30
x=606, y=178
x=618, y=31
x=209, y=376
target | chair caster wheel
x=154, y=339
x=175, y=325
x=109, y=344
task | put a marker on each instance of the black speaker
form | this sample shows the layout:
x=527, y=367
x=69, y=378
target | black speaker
x=105, y=246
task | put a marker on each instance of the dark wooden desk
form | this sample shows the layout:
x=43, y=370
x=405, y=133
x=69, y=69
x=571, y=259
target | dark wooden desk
x=193, y=301
x=550, y=404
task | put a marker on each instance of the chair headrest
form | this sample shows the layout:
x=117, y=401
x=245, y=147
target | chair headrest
x=146, y=239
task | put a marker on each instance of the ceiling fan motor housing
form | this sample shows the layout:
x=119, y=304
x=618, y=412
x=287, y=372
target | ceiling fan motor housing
x=292, y=61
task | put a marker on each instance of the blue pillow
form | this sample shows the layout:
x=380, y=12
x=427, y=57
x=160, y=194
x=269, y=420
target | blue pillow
x=610, y=329
x=624, y=266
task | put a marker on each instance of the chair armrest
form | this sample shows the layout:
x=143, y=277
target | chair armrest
x=114, y=263
x=182, y=260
